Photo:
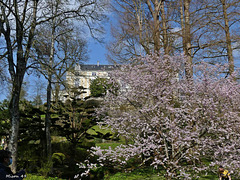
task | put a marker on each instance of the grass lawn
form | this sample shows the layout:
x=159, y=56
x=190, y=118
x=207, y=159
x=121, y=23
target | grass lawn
x=142, y=175
x=106, y=145
x=35, y=177
x=97, y=128
x=136, y=175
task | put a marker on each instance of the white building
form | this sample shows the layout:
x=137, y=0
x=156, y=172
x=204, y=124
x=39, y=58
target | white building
x=83, y=75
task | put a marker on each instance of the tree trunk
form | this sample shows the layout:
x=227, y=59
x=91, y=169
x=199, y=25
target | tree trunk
x=48, y=122
x=144, y=41
x=13, y=142
x=15, y=118
x=49, y=91
x=156, y=29
x=164, y=28
x=182, y=25
x=228, y=38
x=187, y=39
x=156, y=24
x=56, y=94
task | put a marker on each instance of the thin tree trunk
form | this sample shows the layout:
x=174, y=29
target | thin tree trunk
x=182, y=25
x=164, y=27
x=49, y=88
x=49, y=91
x=56, y=94
x=156, y=30
x=156, y=23
x=48, y=122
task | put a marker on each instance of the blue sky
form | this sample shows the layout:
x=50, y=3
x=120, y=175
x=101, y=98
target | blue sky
x=97, y=51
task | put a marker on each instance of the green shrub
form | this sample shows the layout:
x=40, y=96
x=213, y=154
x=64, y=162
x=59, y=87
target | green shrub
x=58, y=158
x=87, y=144
x=45, y=168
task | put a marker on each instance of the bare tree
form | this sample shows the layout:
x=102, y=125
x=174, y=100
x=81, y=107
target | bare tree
x=143, y=27
x=207, y=30
x=212, y=31
x=193, y=25
x=64, y=49
x=226, y=20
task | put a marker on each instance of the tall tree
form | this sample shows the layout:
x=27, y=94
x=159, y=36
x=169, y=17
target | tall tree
x=61, y=51
x=65, y=49
x=18, y=41
x=225, y=22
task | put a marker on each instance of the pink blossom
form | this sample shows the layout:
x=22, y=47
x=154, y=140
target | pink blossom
x=172, y=121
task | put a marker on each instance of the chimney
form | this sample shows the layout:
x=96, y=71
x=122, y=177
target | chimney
x=97, y=63
x=77, y=67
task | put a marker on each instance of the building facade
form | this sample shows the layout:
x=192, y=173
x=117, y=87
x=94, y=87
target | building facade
x=82, y=77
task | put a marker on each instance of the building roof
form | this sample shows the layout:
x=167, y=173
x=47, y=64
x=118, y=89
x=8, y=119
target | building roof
x=88, y=67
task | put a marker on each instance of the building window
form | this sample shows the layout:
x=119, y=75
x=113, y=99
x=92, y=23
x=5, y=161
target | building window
x=94, y=73
x=77, y=83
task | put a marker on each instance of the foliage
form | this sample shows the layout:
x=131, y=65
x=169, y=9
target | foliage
x=58, y=158
x=30, y=133
x=97, y=128
x=173, y=121
x=4, y=118
x=31, y=142
x=45, y=168
x=75, y=118
x=99, y=87
x=31, y=123
x=31, y=138
x=66, y=119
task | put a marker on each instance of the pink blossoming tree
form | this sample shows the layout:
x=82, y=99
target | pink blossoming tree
x=172, y=122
